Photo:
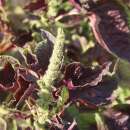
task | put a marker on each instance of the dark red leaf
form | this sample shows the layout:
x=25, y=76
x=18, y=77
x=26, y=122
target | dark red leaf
x=77, y=75
x=26, y=85
x=7, y=75
x=22, y=86
x=95, y=96
x=19, y=81
x=116, y=38
x=7, y=80
x=110, y=26
x=39, y=4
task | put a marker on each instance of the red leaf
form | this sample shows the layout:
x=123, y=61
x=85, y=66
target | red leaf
x=98, y=95
x=19, y=81
x=77, y=76
x=110, y=26
x=7, y=77
x=36, y=5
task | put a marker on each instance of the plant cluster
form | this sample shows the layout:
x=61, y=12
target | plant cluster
x=64, y=65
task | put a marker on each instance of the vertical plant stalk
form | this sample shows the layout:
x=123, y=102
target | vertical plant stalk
x=55, y=61
x=46, y=83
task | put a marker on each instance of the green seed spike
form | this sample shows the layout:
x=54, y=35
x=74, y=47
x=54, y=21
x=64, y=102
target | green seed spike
x=55, y=60
x=46, y=83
